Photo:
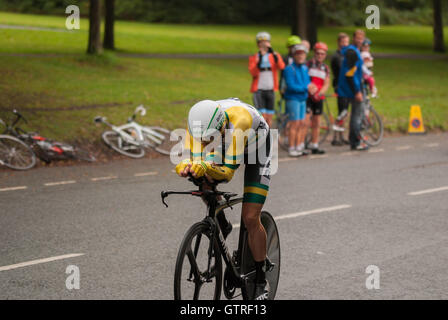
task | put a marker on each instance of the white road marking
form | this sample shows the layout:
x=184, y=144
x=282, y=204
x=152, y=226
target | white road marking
x=104, y=178
x=417, y=193
x=375, y=150
x=13, y=188
x=33, y=262
x=59, y=183
x=403, y=148
x=305, y=213
x=349, y=153
x=323, y=156
x=144, y=174
x=431, y=145
x=286, y=159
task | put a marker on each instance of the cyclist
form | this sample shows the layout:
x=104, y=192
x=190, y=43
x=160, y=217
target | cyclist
x=288, y=59
x=320, y=75
x=263, y=67
x=246, y=136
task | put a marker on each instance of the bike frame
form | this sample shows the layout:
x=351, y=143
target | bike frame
x=141, y=132
x=213, y=207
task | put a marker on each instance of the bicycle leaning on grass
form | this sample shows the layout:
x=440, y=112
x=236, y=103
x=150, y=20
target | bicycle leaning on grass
x=198, y=272
x=132, y=139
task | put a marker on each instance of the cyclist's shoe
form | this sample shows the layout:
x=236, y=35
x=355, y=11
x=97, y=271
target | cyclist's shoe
x=317, y=151
x=361, y=147
x=293, y=153
x=262, y=291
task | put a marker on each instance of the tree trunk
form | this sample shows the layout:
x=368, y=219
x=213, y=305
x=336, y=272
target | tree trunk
x=299, y=25
x=94, y=46
x=312, y=22
x=109, y=42
x=439, y=44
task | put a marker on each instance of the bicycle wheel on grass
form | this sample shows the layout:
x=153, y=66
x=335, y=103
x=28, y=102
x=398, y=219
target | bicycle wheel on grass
x=16, y=154
x=116, y=142
x=191, y=279
x=273, y=253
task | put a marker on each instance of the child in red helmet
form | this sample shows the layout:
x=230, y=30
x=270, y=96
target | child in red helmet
x=319, y=73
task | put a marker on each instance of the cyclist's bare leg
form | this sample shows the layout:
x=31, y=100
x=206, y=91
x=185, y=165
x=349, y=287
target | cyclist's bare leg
x=251, y=213
x=316, y=128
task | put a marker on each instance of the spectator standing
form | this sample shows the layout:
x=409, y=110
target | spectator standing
x=319, y=74
x=298, y=84
x=264, y=67
x=336, y=64
x=350, y=87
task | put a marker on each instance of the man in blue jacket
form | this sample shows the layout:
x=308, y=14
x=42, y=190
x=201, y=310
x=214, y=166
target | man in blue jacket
x=350, y=88
x=298, y=84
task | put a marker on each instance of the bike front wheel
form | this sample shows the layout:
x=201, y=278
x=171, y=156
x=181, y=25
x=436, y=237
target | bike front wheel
x=16, y=154
x=273, y=254
x=198, y=273
x=116, y=142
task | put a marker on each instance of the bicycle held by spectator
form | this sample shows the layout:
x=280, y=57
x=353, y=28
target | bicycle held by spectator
x=198, y=272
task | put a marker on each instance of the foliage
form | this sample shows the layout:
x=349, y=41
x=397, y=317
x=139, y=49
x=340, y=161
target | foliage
x=330, y=12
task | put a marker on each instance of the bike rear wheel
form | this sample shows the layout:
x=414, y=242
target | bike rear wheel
x=373, y=129
x=273, y=253
x=116, y=142
x=191, y=279
x=16, y=154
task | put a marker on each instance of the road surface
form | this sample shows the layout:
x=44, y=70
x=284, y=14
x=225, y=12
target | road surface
x=337, y=215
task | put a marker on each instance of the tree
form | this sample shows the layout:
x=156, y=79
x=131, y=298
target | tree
x=312, y=22
x=94, y=46
x=299, y=19
x=439, y=44
x=305, y=20
x=109, y=22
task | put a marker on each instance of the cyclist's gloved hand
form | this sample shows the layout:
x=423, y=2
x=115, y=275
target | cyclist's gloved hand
x=180, y=168
x=198, y=169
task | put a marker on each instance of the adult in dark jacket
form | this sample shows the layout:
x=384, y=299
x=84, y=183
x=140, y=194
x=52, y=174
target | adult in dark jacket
x=350, y=88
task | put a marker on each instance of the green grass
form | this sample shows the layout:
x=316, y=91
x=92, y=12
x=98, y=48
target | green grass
x=170, y=38
x=62, y=94
x=72, y=86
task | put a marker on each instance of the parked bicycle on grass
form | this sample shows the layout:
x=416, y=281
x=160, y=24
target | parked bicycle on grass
x=132, y=139
x=45, y=149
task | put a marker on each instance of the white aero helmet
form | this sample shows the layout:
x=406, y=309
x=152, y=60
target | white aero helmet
x=263, y=36
x=205, y=119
